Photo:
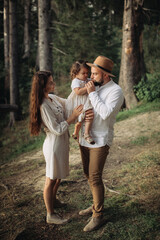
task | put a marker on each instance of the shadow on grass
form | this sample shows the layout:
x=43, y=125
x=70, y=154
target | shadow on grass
x=130, y=220
x=41, y=231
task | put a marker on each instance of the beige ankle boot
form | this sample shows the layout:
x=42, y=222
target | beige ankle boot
x=55, y=219
x=94, y=224
x=86, y=211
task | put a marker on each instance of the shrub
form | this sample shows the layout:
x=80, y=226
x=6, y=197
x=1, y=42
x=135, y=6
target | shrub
x=148, y=89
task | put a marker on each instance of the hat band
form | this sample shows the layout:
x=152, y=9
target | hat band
x=102, y=68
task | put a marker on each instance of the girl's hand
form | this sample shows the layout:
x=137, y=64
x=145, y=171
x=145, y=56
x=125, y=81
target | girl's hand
x=89, y=115
x=90, y=87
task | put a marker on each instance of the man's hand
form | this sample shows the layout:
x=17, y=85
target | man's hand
x=90, y=87
x=89, y=115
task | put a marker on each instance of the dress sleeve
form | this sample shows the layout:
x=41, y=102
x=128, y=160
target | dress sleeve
x=75, y=83
x=50, y=121
x=112, y=104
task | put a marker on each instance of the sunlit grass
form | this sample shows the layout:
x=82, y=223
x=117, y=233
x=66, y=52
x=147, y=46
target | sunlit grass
x=141, y=108
x=141, y=140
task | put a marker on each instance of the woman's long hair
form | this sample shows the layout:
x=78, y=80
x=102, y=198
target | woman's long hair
x=39, y=82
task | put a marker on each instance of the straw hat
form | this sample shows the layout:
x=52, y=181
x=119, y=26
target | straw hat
x=104, y=64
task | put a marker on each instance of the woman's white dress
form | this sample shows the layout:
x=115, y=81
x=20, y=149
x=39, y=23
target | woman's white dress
x=75, y=100
x=56, y=144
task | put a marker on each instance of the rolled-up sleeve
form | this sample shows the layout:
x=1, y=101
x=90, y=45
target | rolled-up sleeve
x=50, y=121
x=112, y=103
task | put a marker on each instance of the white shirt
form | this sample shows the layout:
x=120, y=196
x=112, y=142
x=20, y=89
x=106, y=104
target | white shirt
x=106, y=101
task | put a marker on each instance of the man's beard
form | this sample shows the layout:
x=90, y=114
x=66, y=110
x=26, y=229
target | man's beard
x=100, y=83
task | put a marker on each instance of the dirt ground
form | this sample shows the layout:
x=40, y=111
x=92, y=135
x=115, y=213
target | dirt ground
x=25, y=176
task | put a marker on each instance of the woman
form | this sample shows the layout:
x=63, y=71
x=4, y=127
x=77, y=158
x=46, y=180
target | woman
x=50, y=113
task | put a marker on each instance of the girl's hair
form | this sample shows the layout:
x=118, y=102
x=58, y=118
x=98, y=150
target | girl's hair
x=39, y=82
x=76, y=67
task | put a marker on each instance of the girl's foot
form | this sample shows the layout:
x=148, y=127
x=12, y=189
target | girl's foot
x=75, y=137
x=89, y=139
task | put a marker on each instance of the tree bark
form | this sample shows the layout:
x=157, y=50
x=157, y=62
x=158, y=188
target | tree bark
x=6, y=46
x=13, y=58
x=26, y=29
x=44, y=36
x=132, y=60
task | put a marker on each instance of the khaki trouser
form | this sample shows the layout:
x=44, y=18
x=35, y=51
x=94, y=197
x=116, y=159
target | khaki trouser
x=93, y=160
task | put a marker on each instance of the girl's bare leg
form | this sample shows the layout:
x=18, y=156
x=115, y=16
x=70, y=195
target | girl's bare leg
x=48, y=194
x=50, y=190
x=55, y=189
x=76, y=130
x=88, y=125
x=87, y=135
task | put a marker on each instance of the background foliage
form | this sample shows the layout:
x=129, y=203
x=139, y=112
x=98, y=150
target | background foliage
x=83, y=30
x=149, y=89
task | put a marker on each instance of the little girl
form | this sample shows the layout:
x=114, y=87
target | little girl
x=79, y=73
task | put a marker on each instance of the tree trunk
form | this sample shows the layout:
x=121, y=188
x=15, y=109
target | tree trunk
x=13, y=58
x=6, y=46
x=44, y=36
x=26, y=29
x=132, y=60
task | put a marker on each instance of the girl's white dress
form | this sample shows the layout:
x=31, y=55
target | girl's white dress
x=75, y=100
x=56, y=144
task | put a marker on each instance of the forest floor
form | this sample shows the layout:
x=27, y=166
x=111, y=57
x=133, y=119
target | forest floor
x=131, y=176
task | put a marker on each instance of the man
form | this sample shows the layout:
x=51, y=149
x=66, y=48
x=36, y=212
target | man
x=106, y=99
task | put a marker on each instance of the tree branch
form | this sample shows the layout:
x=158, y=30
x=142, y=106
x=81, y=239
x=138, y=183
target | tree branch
x=60, y=23
x=8, y=108
x=152, y=10
x=113, y=191
x=60, y=51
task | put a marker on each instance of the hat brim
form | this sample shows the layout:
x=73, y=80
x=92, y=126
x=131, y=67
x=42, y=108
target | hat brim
x=92, y=65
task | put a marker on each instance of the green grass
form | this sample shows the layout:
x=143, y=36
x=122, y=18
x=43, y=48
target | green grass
x=133, y=214
x=142, y=108
x=144, y=140
x=17, y=140
x=141, y=140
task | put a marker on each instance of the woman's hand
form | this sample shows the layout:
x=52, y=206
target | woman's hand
x=76, y=112
x=89, y=115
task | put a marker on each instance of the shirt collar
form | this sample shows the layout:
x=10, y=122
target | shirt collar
x=105, y=85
